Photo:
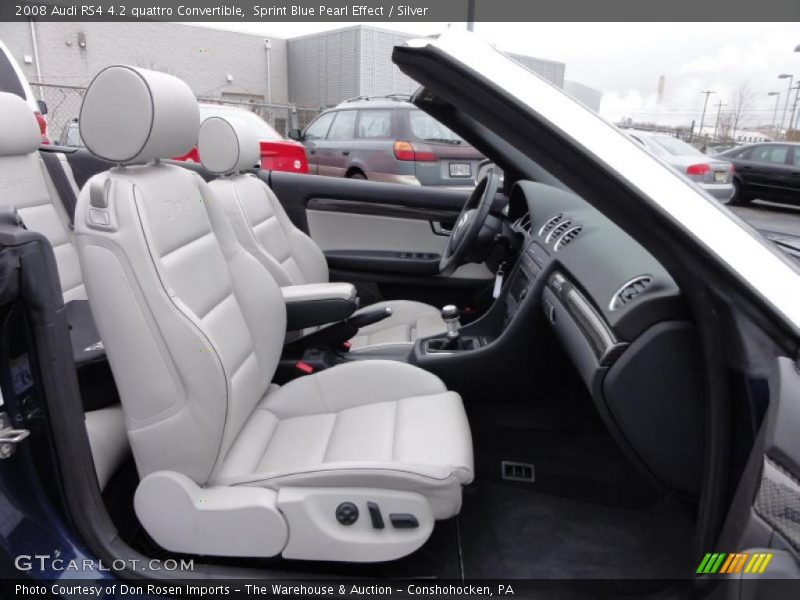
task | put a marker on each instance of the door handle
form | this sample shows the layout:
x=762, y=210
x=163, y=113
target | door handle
x=440, y=229
x=346, y=152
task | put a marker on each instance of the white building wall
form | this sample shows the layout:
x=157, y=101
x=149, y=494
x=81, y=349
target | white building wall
x=202, y=57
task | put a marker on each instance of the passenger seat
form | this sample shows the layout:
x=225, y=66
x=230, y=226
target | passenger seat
x=227, y=147
x=27, y=185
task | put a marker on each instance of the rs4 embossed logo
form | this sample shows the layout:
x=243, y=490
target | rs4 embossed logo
x=722, y=563
x=175, y=207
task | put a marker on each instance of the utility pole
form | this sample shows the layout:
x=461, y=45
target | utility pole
x=705, y=104
x=720, y=104
x=471, y=15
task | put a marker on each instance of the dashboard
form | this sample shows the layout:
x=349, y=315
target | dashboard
x=623, y=284
x=622, y=322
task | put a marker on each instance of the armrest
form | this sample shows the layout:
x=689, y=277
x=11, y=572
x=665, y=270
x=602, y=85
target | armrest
x=318, y=304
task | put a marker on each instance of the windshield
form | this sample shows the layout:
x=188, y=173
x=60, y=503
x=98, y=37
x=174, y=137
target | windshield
x=425, y=127
x=263, y=130
x=674, y=146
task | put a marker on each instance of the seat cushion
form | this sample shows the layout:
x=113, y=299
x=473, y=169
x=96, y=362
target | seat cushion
x=374, y=424
x=409, y=321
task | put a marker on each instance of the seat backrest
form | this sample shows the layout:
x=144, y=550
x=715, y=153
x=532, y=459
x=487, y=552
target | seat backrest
x=25, y=183
x=227, y=147
x=192, y=323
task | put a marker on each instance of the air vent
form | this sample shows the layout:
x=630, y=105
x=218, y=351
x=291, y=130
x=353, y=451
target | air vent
x=630, y=291
x=569, y=235
x=559, y=229
x=550, y=223
x=523, y=224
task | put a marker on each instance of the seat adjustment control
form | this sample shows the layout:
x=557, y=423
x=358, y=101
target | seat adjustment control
x=375, y=515
x=347, y=513
x=403, y=521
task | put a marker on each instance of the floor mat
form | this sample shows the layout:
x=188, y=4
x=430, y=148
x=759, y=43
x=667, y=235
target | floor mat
x=508, y=532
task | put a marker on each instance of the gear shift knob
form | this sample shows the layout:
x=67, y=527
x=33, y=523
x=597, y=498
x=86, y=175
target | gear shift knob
x=451, y=315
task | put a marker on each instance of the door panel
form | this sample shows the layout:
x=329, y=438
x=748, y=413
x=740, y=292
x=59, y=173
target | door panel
x=383, y=235
x=404, y=241
x=766, y=511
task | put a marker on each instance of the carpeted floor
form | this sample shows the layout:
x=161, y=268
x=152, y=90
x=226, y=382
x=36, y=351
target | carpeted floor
x=518, y=533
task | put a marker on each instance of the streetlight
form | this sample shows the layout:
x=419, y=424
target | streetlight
x=775, y=112
x=788, y=93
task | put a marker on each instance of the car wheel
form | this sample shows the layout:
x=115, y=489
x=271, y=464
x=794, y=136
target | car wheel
x=738, y=196
x=356, y=175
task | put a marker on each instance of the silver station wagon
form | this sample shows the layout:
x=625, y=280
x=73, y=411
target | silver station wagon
x=387, y=139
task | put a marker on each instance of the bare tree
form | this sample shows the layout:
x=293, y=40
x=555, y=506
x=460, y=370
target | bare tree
x=725, y=128
x=741, y=103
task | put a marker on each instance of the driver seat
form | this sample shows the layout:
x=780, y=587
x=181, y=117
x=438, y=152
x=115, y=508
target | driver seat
x=227, y=147
x=353, y=463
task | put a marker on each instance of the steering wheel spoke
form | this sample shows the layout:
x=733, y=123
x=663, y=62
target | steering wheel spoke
x=469, y=223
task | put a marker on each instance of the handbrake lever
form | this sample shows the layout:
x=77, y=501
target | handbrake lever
x=337, y=334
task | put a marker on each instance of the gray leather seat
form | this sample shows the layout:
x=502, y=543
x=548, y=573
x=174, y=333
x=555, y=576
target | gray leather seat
x=27, y=185
x=194, y=326
x=228, y=146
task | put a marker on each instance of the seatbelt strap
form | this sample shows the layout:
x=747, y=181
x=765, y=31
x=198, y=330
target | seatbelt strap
x=63, y=187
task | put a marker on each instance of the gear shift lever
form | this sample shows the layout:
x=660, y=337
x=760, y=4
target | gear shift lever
x=451, y=316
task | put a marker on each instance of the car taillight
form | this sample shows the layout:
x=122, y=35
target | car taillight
x=42, y=126
x=415, y=152
x=403, y=151
x=700, y=169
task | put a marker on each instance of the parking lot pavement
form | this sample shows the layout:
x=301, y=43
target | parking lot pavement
x=768, y=216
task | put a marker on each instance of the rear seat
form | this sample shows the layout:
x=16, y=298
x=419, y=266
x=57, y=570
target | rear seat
x=27, y=184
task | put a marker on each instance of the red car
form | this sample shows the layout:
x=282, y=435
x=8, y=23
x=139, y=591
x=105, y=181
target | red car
x=277, y=153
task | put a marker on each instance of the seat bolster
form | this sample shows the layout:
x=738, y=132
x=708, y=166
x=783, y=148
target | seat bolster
x=105, y=428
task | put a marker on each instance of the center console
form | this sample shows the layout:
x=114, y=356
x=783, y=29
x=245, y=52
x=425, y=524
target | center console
x=501, y=339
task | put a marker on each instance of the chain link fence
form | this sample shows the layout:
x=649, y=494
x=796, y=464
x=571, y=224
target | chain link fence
x=64, y=105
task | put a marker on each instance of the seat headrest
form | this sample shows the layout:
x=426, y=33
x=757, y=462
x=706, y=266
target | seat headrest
x=134, y=115
x=19, y=131
x=227, y=144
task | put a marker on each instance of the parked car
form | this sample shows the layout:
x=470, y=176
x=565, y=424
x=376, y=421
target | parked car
x=71, y=134
x=766, y=171
x=12, y=80
x=388, y=139
x=715, y=176
x=715, y=149
x=277, y=153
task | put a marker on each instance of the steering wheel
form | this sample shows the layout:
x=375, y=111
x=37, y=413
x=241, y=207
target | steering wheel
x=469, y=223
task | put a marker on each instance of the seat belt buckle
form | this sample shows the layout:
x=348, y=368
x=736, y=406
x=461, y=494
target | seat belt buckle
x=303, y=368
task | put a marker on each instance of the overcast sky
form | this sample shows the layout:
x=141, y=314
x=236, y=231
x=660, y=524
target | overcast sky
x=625, y=60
